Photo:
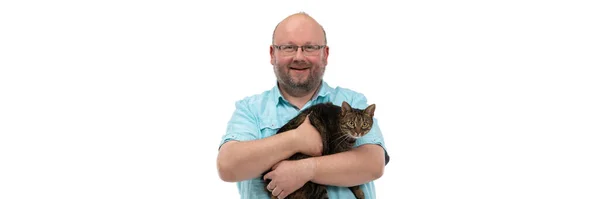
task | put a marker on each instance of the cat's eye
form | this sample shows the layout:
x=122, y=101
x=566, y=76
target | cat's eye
x=351, y=123
x=365, y=125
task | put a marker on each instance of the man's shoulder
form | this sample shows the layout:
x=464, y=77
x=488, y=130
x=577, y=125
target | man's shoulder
x=347, y=92
x=256, y=98
x=340, y=93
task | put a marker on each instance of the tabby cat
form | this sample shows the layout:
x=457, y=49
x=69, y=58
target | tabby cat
x=339, y=127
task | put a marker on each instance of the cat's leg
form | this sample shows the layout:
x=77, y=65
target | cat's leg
x=358, y=193
x=305, y=192
x=297, y=195
x=318, y=124
x=321, y=191
x=298, y=156
x=293, y=123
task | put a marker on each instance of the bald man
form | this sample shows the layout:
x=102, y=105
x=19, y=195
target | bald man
x=250, y=145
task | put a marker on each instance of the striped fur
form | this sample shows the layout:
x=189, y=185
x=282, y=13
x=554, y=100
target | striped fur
x=339, y=127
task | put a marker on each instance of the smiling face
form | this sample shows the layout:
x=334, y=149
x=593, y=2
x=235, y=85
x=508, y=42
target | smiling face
x=299, y=70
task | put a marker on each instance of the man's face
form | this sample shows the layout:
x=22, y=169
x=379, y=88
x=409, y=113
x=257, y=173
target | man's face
x=299, y=69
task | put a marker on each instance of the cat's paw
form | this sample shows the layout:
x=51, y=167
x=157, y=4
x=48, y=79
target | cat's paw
x=358, y=193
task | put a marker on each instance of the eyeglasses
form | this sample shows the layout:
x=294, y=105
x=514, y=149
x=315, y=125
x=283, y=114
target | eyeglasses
x=308, y=50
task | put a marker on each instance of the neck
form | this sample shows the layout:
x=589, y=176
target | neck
x=296, y=96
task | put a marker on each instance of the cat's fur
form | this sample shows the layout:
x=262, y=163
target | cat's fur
x=339, y=127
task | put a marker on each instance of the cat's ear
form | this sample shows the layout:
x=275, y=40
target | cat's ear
x=345, y=107
x=370, y=110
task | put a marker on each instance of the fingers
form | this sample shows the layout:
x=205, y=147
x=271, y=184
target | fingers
x=276, y=191
x=282, y=195
x=275, y=166
x=268, y=176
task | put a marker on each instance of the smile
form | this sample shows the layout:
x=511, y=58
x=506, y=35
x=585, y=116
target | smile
x=299, y=69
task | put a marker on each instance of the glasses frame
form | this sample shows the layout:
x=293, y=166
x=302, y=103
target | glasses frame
x=303, y=47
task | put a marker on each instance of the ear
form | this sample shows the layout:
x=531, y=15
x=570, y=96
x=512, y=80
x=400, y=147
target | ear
x=272, y=52
x=326, y=55
x=370, y=110
x=345, y=108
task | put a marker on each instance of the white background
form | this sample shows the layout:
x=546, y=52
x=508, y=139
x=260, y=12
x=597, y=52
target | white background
x=129, y=99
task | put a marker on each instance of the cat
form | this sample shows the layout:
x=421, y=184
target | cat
x=339, y=127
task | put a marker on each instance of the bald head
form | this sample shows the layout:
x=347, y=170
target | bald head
x=299, y=24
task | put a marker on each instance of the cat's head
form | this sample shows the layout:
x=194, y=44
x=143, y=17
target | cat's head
x=356, y=122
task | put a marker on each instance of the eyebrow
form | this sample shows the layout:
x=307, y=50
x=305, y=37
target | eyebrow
x=311, y=43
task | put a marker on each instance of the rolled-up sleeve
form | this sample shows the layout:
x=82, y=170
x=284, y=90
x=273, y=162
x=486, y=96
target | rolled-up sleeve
x=242, y=126
x=374, y=136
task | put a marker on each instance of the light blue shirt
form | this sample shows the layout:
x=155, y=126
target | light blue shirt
x=261, y=115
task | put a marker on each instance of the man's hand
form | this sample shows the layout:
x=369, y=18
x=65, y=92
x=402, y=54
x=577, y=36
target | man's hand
x=288, y=176
x=309, y=139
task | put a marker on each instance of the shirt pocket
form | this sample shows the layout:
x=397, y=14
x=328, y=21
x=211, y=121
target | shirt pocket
x=269, y=128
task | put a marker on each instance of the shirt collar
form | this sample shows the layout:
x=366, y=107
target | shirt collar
x=322, y=91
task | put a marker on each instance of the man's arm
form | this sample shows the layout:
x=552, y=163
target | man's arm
x=244, y=157
x=243, y=160
x=357, y=166
x=360, y=165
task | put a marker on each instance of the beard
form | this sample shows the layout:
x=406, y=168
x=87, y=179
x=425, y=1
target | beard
x=299, y=85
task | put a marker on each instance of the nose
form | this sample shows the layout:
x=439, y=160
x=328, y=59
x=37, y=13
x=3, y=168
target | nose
x=299, y=55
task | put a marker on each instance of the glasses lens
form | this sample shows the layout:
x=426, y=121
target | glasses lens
x=288, y=48
x=306, y=49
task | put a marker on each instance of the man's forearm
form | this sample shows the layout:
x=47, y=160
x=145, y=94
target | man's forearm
x=358, y=166
x=239, y=161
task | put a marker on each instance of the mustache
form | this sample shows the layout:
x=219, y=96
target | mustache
x=300, y=65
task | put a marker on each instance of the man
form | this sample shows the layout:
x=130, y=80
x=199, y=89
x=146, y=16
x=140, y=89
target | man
x=251, y=146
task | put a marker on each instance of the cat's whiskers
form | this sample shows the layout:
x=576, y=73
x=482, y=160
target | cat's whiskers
x=345, y=137
x=345, y=134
